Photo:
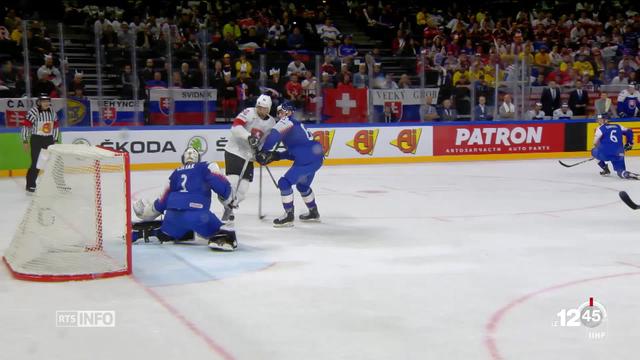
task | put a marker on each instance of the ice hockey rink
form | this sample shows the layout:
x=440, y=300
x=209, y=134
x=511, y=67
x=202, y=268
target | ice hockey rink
x=425, y=261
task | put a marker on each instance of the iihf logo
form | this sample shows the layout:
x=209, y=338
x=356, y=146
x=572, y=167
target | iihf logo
x=364, y=141
x=407, y=140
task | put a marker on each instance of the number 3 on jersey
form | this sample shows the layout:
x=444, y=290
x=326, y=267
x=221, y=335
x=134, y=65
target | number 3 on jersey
x=183, y=183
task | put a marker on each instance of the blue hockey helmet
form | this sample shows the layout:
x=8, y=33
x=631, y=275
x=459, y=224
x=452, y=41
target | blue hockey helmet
x=285, y=109
x=288, y=106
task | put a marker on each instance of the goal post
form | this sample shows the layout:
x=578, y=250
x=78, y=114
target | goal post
x=78, y=223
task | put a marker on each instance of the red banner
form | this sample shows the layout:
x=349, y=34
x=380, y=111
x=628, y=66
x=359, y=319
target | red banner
x=498, y=139
x=15, y=118
x=345, y=105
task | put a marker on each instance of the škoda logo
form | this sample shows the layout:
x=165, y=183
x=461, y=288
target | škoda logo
x=325, y=138
x=407, y=140
x=364, y=141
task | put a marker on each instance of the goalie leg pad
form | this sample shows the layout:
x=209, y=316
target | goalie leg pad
x=188, y=236
x=144, y=229
x=224, y=240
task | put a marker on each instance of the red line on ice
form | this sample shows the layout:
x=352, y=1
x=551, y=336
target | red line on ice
x=215, y=347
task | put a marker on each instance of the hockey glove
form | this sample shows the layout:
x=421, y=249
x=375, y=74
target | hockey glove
x=145, y=210
x=229, y=202
x=265, y=158
x=628, y=146
x=253, y=141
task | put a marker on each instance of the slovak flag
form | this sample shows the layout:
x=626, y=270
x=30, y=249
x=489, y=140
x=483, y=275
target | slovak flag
x=15, y=118
x=345, y=105
x=108, y=115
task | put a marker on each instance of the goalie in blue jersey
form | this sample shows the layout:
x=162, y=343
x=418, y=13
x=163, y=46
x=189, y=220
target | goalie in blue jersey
x=609, y=147
x=185, y=204
x=307, y=156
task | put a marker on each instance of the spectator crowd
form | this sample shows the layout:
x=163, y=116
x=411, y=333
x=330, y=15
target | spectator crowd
x=579, y=58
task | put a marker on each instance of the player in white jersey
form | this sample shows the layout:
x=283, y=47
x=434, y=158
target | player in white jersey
x=247, y=134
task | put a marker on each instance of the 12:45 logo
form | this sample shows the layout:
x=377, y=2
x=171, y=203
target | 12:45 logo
x=590, y=314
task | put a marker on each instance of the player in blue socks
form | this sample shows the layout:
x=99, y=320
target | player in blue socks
x=307, y=156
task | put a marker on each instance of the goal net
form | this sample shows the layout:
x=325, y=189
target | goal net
x=78, y=224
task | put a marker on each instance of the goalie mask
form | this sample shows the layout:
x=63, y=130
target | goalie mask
x=190, y=155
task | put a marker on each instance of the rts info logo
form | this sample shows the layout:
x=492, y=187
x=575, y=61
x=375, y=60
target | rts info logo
x=86, y=318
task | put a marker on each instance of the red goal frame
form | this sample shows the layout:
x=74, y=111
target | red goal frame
x=98, y=201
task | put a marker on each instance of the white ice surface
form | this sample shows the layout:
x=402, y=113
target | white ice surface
x=428, y=261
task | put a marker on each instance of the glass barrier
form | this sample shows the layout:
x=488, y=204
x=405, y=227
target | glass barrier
x=166, y=76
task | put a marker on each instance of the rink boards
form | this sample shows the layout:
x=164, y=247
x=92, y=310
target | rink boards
x=159, y=147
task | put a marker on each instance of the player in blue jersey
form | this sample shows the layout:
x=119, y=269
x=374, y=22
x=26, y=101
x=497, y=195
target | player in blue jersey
x=608, y=146
x=307, y=156
x=186, y=202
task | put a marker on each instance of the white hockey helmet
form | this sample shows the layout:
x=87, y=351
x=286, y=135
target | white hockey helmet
x=190, y=155
x=264, y=101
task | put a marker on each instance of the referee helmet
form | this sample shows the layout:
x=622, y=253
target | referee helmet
x=41, y=98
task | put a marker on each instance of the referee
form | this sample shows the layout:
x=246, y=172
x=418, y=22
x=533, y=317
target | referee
x=40, y=129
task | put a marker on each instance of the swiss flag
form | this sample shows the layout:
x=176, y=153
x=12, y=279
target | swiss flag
x=345, y=105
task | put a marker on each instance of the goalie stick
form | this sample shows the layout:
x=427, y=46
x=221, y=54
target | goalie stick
x=627, y=200
x=575, y=164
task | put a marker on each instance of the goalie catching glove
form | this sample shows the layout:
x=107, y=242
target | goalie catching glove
x=265, y=158
x=145, y=210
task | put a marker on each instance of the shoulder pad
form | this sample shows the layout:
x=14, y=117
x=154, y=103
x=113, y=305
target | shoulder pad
x=214, y=168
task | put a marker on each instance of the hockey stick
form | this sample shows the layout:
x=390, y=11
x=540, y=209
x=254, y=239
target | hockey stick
x=627, y=200
x=228, y=211
x=244, y=168
x=260, y=214
x=575, y=164
x=275, y=183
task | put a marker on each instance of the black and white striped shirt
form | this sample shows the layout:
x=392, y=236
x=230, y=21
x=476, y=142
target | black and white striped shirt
x=40, y=122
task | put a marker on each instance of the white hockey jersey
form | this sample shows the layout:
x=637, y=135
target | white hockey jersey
x=248, y=123
x=558, y=114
